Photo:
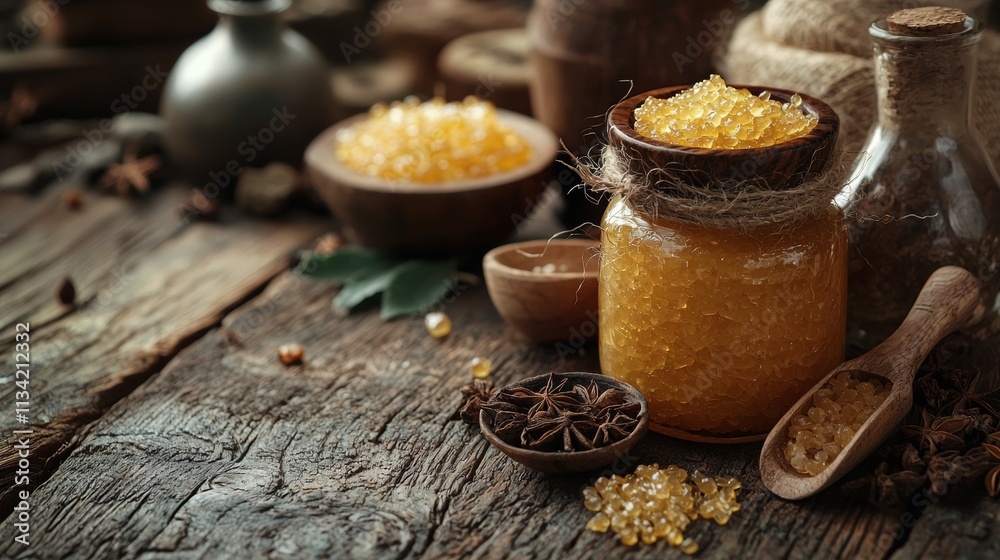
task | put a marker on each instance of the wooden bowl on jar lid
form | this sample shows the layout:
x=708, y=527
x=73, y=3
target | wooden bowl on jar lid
x=776, y=167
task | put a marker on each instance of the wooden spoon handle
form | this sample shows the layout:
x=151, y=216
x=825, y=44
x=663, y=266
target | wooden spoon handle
x=947, y=302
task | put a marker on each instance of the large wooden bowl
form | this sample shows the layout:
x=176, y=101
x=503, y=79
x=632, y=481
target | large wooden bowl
x=775, y=167
x=442, y=219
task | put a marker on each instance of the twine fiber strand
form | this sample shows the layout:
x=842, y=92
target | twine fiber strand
x=738, y=205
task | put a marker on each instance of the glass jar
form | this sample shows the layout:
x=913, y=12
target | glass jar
x=924, y=193
x=723, y=329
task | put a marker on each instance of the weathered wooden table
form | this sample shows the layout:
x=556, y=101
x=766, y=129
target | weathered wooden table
x=155, y=436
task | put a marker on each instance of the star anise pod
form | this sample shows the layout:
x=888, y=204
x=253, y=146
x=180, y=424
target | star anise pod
x=563, y=433
x=507, y=419
x=937, y=433
x=981, y=423
x=967, y=395
x=612, y=431
x=941, y=472
x=588, y=393
x=132, y=172
x=473, y=396
x=912, y=461
x=552, y=398
x=935, y=396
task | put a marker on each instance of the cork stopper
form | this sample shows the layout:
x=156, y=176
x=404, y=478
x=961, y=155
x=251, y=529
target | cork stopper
x=931, y=21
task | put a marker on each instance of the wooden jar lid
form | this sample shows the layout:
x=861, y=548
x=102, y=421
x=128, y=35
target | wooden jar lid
x=930, y=21
x=492, y=65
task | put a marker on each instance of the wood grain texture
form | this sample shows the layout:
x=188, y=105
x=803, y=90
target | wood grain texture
x=147, y=283
x=358, y=453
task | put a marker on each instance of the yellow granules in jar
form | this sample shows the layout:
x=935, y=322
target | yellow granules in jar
x=714, y=115
x=839, y=409
x=432, y=142
x=655, y=504
x=721, y=331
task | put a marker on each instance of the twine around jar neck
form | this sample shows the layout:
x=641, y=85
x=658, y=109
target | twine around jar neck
x=665, y=193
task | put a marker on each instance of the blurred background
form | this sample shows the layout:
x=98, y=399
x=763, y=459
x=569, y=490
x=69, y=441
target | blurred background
x=66, y=63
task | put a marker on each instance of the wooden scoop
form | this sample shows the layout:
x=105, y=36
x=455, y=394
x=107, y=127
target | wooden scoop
x=947, y=302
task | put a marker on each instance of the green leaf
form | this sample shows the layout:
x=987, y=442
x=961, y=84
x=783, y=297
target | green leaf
x=343, y=266
x=364, y=286
x=416, y=286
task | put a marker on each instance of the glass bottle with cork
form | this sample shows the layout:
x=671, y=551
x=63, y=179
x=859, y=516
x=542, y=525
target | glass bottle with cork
x=924, y=193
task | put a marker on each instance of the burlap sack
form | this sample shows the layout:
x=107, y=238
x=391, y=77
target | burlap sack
x=840, y=25
x=843, y=81
x=826, y=70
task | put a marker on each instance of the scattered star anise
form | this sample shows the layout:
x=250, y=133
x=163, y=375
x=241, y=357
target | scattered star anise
x=132, y=173
x=938, y=433
x=957, y=441
x=473, y=396
x=962, y=398
x=562, y=417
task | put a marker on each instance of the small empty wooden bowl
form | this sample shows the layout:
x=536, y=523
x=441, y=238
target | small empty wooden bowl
x=579, y=461
x=431, y=219
x=547, y=306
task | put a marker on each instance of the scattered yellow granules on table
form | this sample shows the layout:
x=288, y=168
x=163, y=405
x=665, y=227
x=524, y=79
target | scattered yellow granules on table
x=438, y=324
x=432, y=142
x=714, y=115
x=817, y=437
x=656, y=503
x=481, y=367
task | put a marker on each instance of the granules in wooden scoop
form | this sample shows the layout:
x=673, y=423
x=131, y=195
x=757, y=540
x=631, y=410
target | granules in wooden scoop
x=817, y=437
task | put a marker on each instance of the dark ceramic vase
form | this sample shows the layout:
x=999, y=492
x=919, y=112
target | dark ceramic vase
x=249, y=93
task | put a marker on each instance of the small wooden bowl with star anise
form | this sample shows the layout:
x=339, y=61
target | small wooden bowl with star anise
x=565, y=422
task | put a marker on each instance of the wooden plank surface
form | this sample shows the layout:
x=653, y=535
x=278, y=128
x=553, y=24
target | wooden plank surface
x=147, y=283
x=227, y=453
